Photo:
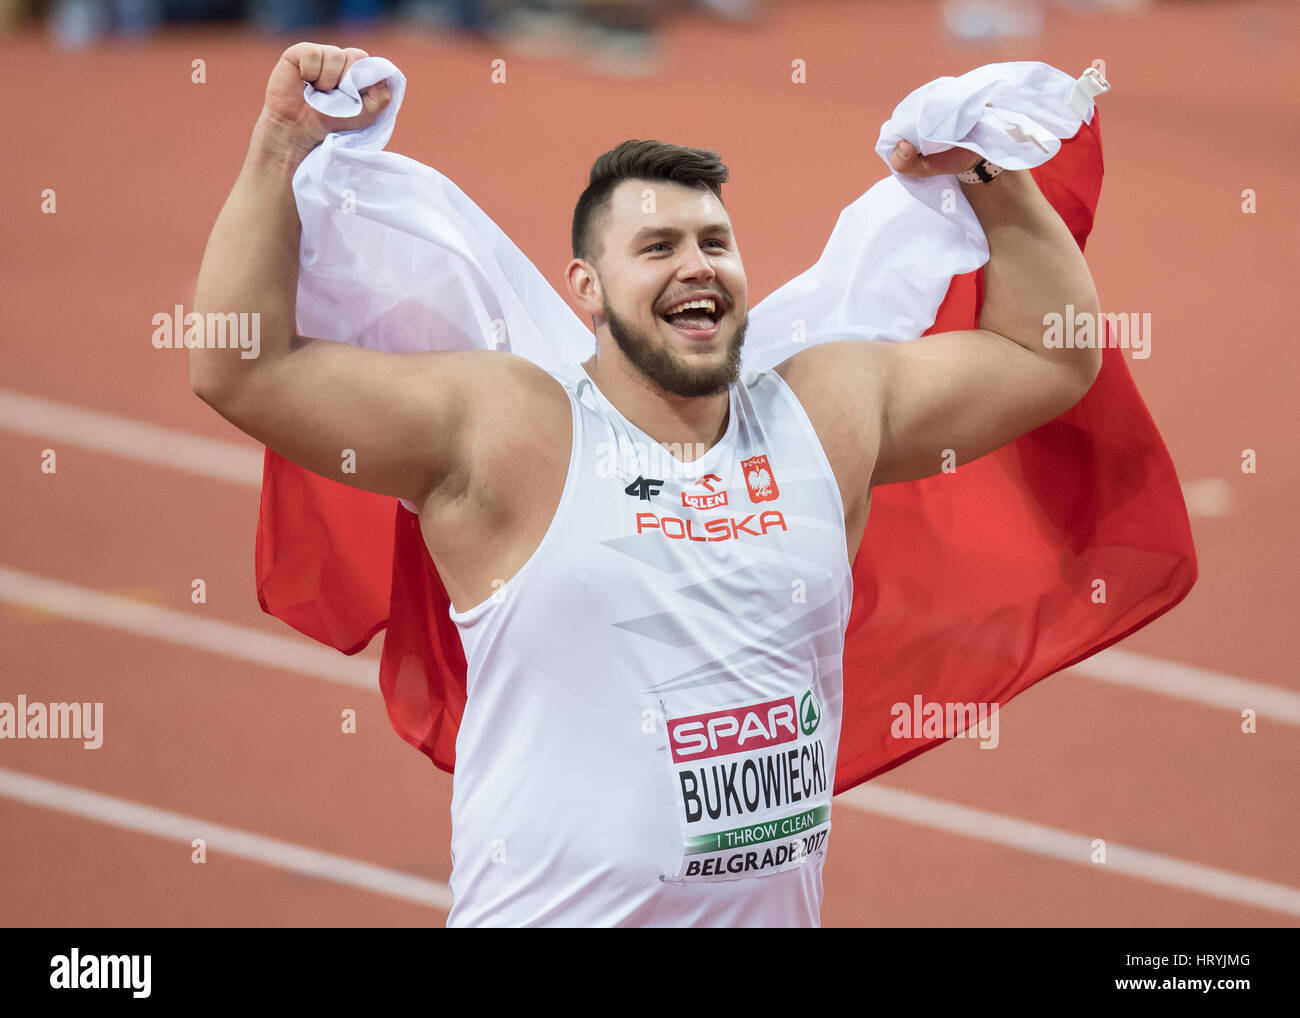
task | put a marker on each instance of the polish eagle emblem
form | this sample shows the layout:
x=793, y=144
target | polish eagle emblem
x=759, y=479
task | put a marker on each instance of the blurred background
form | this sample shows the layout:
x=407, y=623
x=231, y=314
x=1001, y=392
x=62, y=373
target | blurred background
x=620, y=36
x=128, y=122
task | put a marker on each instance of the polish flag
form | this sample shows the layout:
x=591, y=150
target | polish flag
x=968, y=587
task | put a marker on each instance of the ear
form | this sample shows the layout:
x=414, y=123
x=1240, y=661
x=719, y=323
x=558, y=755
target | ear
x=584, y=285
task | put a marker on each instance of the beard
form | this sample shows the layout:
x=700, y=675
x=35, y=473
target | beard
x=652, y=356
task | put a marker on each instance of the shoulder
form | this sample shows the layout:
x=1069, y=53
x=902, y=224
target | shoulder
x=838, y=384
x=521, y=426
x=500, y=372
x=515, y=402
x=838, y=380
x=515, y=411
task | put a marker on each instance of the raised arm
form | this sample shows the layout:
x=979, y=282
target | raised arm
x=969, y=391
x=404, y=417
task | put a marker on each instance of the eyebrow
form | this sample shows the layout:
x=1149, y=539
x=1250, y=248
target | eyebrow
x=649, y=232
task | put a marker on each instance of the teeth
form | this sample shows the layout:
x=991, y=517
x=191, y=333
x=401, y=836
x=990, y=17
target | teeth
x=708, y=305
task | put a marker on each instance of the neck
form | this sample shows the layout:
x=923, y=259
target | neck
x=688, y=425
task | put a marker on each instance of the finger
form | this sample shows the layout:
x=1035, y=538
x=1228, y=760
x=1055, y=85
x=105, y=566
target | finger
x=351, y=56
x=953, y=160
x=904, y=158
x=908, y=160
x=332, y=71
x=376, y=97
x=373, y=101
x=307, y=58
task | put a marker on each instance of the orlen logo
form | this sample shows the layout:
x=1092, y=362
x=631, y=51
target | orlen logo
x=733, y=730
x=709, y=499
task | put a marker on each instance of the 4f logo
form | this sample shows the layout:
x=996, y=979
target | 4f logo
x=758, y=479
x=644, y=487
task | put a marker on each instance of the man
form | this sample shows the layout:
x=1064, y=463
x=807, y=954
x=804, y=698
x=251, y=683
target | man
x=647, y=554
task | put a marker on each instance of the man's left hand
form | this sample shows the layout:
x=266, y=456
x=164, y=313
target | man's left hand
x=906, y=159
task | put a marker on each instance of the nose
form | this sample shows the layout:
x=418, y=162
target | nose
x=695, y=265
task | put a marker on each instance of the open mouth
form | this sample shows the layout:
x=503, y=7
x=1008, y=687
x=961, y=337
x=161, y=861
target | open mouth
x=697, y=322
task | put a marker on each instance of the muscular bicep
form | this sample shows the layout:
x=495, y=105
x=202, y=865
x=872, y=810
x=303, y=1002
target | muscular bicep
x=955, y=396
x=396, y=424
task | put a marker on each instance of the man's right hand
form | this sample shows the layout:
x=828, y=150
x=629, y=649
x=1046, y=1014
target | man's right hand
x=433, y=427
x=288, y=126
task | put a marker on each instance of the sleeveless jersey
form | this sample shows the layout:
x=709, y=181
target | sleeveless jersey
x=654, y=699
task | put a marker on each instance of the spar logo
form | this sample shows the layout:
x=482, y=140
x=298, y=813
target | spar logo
x=710, y=498
x=759, y=479
x=733, y=730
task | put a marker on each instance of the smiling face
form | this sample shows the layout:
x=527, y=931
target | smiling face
x=662, y=245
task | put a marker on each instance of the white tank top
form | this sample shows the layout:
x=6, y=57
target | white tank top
x=654, y=699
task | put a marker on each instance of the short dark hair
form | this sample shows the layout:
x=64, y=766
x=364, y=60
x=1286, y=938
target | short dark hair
x=640, y=160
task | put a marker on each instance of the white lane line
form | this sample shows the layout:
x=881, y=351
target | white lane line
x=1185, y=682
x=45, y=419
x=1075, y=848
x=285, y=855
x=291, y=653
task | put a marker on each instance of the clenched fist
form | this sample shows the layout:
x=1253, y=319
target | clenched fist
x=905, y=159
x=290, y=127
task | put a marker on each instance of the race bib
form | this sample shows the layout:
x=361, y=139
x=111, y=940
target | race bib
x=753, y=785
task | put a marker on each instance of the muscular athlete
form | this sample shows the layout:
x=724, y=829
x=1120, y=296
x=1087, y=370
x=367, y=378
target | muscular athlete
x=447, y=430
